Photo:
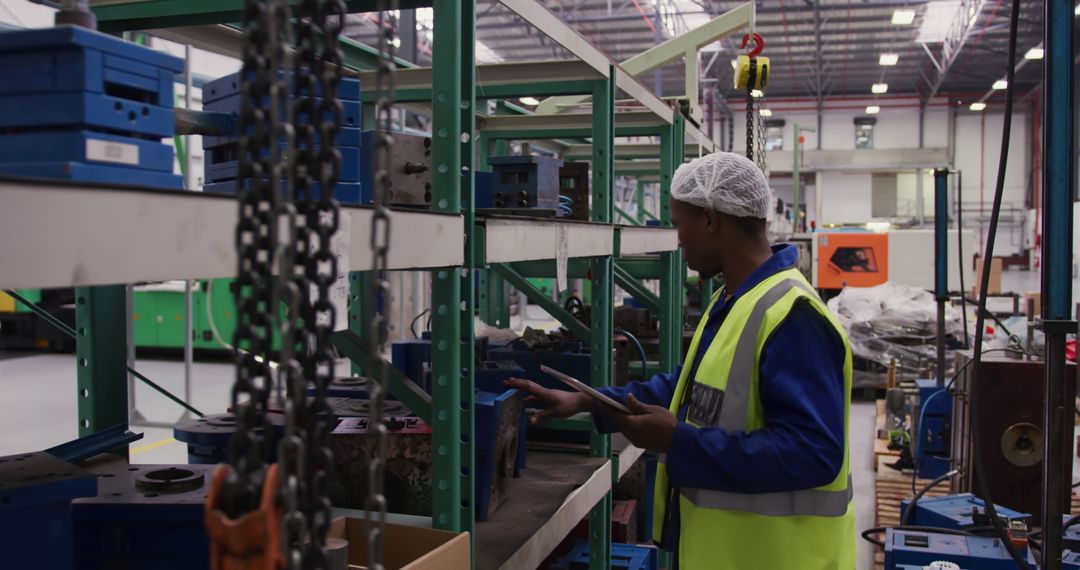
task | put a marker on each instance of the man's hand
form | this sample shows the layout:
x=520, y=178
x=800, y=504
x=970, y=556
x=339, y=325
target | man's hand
x=558, y=404
x=648, y=427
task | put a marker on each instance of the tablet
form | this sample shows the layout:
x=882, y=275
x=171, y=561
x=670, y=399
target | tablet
x=584, y=388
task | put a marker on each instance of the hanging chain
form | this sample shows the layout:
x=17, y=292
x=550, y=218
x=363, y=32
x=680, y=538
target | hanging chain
x=750, y=120
x=762, y=164
x=256, y=241
x=380, y=245
x=731, y=132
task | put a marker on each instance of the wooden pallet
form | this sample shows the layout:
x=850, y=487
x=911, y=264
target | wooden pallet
x=881, y=445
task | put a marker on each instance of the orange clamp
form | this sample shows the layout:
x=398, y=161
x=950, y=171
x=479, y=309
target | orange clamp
x=251, y=542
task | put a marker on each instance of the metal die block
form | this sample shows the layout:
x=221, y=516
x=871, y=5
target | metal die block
x=498, y=424
x=36, y=490
x=229, y=86
x=526, y=182
x=574, y=181
x=94, y=173
x=344, y=192
x=223, y=164
x=410, y=175
x=407, y=476
x=144, y=516
x=489, y=377
x=207, y=438
x=85, y=146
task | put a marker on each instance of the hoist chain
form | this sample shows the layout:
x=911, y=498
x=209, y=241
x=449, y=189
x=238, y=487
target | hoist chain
x=259, y=177
x=380, y=246
x=731, y=132
x=760, y=154
x=750, y=120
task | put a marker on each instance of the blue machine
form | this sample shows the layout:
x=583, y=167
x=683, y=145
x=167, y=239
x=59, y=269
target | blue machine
x=498, y=438
x=207, y=438
x=489, y=378
x=100, y=106
x=144, y=516
x=525, y=182
x=935, y=429
x=623, y=557
x=413, y=358
x=956, y=512
x=921, y=548
x=36, y=490
x=222, y=168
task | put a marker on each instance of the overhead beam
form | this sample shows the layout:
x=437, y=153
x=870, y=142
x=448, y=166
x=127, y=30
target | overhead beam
x=124, y=15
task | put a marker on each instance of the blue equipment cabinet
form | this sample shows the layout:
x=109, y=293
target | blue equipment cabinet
x=956, y=512
x=98, y=104
x=36, y=529
x=935, y=429
x=144, y=516
x=919, y=549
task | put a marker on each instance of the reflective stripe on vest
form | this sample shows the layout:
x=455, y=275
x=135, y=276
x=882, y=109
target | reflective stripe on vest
x=733, y=418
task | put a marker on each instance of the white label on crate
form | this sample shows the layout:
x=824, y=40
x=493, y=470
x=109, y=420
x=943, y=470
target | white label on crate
x=114, y=152
x=561, y=254
x=339, y=290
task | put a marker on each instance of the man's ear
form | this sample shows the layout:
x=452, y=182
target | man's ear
x=712, y=221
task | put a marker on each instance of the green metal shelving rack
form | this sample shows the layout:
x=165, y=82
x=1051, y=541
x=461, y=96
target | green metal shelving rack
x=455, y=241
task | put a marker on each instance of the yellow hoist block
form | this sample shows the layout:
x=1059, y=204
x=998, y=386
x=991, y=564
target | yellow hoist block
x=752, y=72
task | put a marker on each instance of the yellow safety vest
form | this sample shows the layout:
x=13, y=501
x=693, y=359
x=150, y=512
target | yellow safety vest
x=812, y=529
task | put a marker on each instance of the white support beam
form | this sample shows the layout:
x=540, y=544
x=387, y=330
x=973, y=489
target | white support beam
x=496, y=123
x=669, y=51
x=518, y=239
x=542, y=19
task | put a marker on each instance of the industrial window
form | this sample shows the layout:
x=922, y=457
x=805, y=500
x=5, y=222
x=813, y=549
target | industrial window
x=883, y=195
x=774, y=134
x=864, y=132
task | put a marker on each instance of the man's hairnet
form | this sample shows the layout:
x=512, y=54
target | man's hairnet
x=726, y=182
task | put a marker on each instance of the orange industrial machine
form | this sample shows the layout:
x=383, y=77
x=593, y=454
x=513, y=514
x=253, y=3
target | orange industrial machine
x=856, y=259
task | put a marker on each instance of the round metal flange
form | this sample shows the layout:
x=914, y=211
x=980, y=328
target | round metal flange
x=1022, y=444
x=168, y=480
x=349, y=381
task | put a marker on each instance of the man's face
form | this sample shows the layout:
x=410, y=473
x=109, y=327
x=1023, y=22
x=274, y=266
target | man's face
x=693, y=227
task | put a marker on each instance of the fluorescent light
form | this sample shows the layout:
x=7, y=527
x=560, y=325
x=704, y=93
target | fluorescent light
x=999, y=85
x=756, y=93
x=888, y=59
x=903, y=17
x=1037, y=52
x=1076, y=11
x=879, y=88
x=529, y=100
x=766, y=112
x=978, y=106
x=878, y=226
x=873, y=110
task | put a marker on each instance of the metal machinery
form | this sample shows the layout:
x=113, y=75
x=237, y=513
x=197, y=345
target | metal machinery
x=1012, y=434
x=96, y=252
x=860, y=258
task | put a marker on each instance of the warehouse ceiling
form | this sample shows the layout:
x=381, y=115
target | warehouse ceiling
x=819, y=48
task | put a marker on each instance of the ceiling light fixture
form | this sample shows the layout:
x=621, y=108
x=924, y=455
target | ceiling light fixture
x=903, y=17
x=529, y=100
x=766, y=112
x=999, y=85
x=1035, y=52
x=977, y=106
x=888, y=59
x=879, y=88
x=756, y=93
x=873, y=110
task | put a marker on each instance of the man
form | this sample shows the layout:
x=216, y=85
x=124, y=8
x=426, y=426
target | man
x=752, y=428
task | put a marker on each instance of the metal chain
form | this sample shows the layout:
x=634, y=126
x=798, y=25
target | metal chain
x=256, y=241
x=380, y=246
x=761, y=135
x=750, y=119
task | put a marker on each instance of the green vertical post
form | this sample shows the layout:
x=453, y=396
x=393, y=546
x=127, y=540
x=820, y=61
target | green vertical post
x=669, y=283
x=451, y=404
x=602, y=292
x=101, y=357
x=361, y=309
x=465, y=137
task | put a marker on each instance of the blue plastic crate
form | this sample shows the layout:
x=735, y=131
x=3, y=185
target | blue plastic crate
x=497, y=439
x=344, y=192
x=222, y=164
x=84, y=146
x=93, y=173
x=229, y=85
x=68, y=76
x=36, y=490
x=144, y=516
x=623, y=557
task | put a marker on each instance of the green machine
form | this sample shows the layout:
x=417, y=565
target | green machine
x=159, y=315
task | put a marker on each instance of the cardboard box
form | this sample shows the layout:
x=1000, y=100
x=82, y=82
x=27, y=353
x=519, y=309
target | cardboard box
x=405, y=547
x=995, y=277
x=1033, y=304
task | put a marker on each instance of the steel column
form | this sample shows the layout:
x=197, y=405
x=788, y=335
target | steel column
x=101, y=357
x=941, y=263
x=1059, y=179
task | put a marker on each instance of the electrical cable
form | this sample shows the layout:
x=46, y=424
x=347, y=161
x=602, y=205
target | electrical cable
x=989, y=313
x=995, y=215
x=217, y=335
x=641, y=349
x=412, y=325
x=960, y=252
x=915, y=500
x=878, y=530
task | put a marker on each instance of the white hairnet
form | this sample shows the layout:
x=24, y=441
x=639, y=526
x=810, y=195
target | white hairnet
x=726, y=182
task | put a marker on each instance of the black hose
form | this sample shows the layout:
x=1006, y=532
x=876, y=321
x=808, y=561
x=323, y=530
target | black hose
x=995, y=215
x=641, y=349
x=412, y=325
x=915, y=499
x=960, y=254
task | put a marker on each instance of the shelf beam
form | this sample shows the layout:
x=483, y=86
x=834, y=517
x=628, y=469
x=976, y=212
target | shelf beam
x=576, y=327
